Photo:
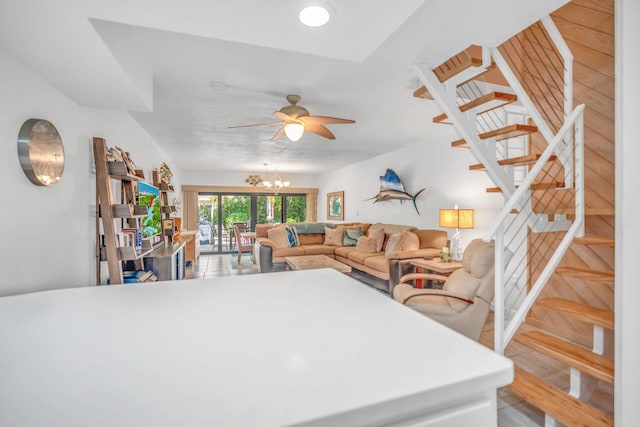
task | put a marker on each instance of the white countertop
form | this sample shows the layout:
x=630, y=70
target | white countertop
x=265, y=350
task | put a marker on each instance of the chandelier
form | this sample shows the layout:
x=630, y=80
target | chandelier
x=274, y=183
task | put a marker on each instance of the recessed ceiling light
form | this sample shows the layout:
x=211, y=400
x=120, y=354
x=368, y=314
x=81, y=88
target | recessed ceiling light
x=314, y=16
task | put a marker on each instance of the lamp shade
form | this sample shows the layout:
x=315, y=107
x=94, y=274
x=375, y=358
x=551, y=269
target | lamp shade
x=456, y=218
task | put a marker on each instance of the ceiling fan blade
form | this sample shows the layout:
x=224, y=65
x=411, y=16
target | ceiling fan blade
x=285, y=117
x=323, y=120
x=278, y=134
x=319, y=130
x=259, y=124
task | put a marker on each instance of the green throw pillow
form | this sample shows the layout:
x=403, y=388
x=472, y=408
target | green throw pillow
x=351, y=237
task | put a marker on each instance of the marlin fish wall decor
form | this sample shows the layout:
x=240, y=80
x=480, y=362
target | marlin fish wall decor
x=391, y=188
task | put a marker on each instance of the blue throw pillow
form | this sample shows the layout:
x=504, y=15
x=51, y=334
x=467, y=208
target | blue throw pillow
x=292, y=236
x=351, y=237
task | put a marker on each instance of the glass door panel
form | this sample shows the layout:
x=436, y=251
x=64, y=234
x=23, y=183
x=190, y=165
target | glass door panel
x=236, y=209
x=208, y=220
x=296, y=208
x=269, y=209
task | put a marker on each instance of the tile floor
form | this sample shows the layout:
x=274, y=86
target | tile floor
x=512, y=411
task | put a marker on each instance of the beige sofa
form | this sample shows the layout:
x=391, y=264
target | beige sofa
x=387, y=262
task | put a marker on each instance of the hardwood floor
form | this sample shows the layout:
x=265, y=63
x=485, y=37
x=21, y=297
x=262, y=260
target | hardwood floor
x=512, y=411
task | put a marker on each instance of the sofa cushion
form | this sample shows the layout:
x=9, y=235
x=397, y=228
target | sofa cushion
x=262, y=230
x=431, y=238
x=378, y=235
x=359, y=256
x=333, y=236
x=351, y=236
x=319, y=249
x=311, y=239
x=402, y=241
x=278, y=235
x=461, y=283
x=367, y=244
x=379, y=263
x=343, y=251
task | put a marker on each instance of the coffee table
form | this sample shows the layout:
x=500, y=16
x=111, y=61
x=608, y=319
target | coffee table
x=310, y=262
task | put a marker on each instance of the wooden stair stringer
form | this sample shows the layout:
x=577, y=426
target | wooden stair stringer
x=556, y=402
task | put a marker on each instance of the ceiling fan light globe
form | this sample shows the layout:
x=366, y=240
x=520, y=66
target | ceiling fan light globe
x=294, y=131
x=314, y=16
x=268, y=184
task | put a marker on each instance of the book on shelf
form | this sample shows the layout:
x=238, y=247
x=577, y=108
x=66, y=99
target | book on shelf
x=138, y=276
x=132, y=237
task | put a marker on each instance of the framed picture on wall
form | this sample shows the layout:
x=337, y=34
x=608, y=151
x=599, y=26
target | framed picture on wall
x=335, y=205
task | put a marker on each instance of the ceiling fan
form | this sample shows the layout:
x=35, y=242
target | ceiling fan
x=296, y=120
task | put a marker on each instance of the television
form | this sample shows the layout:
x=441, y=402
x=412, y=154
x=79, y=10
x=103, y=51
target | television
x=149, y=196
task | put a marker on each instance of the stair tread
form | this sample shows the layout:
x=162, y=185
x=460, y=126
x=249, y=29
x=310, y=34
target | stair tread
x=587, y=211
x=461, y=143
x=513, y=161
x=534, y=186
x=595, y=241
x=506, y=132
x=583, y=312
x=505, y=98
x=586, y=273
x=573, y=355
x=557, y=402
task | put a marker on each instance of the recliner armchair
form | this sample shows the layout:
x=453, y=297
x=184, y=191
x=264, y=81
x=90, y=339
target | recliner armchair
x=463, y=302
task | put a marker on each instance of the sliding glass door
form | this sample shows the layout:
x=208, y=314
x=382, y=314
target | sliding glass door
x=220, y=211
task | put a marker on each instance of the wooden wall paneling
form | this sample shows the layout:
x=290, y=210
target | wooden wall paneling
x=598, y=61
x=600, y=5
x=587, y=26
x=595, y=40
x=588, y=17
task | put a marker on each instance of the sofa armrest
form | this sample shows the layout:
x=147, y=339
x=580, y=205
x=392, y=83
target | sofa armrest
x=413, y=276
x=404, y=293
x=438, y=292
x=263, y=241
x=416, y=253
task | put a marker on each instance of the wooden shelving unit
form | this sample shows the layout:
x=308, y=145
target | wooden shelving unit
x=108, y=213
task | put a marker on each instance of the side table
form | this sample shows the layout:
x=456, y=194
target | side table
x=435, y=266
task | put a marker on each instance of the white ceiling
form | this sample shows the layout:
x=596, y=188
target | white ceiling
x=186, y=70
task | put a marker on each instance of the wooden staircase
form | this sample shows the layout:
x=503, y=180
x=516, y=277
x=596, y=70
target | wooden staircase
x=588, y=366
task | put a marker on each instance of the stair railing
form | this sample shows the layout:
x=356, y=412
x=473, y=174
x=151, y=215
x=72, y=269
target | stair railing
x=534, y=228
x=526, y=256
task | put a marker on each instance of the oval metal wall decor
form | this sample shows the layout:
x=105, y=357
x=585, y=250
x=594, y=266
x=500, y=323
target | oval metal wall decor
x=41, y=152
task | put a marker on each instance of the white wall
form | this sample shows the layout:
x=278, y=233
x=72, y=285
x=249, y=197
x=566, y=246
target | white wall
x=627, y=369
x=48, y=232
x=430, y=164
x=212, y=177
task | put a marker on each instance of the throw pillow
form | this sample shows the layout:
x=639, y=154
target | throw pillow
x=279, y=237
x=351, y=237
x=461, y=283
x=394, y=244
x=367, y=244
x=333, y=236
x=292, y=237
x=409, y=241
x=378, y=235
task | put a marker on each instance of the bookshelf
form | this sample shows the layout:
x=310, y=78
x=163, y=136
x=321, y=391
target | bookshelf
x=117, y=244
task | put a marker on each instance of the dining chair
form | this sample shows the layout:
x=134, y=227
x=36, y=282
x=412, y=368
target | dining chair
x=244, y=244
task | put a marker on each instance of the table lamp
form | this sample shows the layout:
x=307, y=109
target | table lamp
x=456, y=218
